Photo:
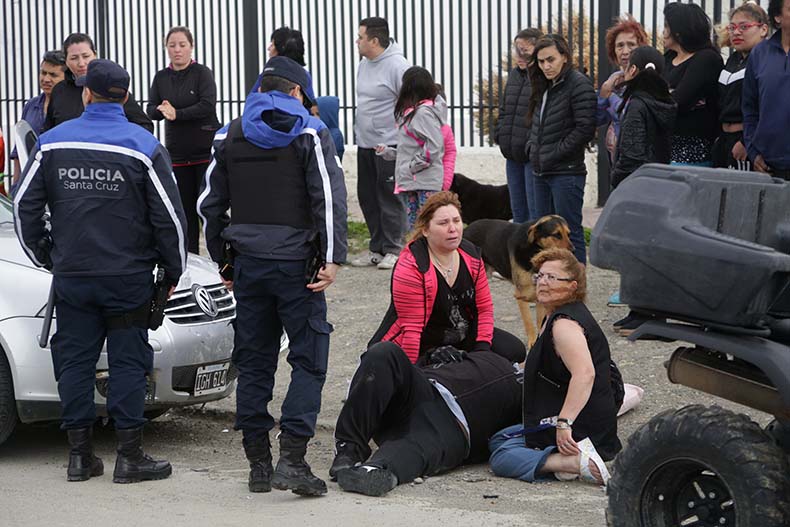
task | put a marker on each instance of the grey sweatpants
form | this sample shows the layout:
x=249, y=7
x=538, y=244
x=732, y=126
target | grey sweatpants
x=384, y=211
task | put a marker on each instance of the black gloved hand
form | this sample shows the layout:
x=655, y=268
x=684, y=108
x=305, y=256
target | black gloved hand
x=43, y=249
x=446, y=355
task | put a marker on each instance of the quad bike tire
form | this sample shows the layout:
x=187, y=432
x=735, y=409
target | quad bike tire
x=8, y=415
x=699, y=467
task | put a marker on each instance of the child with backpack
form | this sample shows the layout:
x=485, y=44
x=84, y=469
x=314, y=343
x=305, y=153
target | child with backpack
x=647, y=115
x=425, y=156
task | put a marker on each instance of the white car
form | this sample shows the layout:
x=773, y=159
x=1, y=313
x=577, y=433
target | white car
x=192, y=348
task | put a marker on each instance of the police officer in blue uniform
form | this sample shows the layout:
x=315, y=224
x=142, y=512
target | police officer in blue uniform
x=276, y=167
x=115, y=213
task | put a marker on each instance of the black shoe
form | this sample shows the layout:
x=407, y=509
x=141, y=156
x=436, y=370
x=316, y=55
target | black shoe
x=132, y=465
x=83, y=465
x=259, y=454
x=631, y=322
x=367, y=480
x=347, y=456
x=628, y=321
x=292, y=472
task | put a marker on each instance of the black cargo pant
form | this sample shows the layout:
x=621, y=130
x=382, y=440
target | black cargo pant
x=272, y=295
x=391, y=401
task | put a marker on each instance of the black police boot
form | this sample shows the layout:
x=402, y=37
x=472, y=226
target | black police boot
x=132, y=464
x=292, y=472
x=83, y=465
x=347, y=456
x=259, y=454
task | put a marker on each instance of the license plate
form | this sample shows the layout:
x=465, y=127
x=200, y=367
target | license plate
x=211, y=378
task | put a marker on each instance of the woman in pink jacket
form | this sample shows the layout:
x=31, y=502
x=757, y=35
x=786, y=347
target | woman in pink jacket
x=441, y=306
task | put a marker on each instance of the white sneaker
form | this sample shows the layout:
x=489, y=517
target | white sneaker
x=498, y=276
x=372, y=258
x=388, y=262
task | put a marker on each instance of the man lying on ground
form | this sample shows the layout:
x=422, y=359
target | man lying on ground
x=425, y=419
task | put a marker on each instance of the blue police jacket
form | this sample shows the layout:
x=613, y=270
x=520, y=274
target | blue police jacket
x=113, y=201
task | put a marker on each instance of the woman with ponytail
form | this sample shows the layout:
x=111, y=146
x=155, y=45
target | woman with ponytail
x=647, y=115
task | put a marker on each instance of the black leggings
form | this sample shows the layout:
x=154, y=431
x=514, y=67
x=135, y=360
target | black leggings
x=392, y=401
x=189, y=179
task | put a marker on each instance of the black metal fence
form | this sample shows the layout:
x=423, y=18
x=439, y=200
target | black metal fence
x=465, y=43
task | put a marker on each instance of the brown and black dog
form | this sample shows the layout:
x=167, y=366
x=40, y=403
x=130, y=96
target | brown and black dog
x=508, y=248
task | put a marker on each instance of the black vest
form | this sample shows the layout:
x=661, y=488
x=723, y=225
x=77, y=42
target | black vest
x=267, y=186
x=546, y=382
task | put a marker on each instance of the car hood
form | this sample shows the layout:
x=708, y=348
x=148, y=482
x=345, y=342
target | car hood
x=26, y=286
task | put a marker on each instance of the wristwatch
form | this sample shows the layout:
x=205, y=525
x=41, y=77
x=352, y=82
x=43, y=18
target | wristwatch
x=569, y=422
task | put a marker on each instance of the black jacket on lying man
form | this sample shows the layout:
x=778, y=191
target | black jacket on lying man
x=425, y=419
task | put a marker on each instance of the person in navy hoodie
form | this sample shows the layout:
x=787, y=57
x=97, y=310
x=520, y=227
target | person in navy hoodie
x=766, y=110
x=277, y=169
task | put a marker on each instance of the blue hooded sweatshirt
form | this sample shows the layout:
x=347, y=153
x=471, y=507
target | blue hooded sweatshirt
x=765, y=105
x=274, y=119
x=329, y=109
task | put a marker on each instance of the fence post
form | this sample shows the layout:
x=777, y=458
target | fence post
x=717, y=12
x=102, y=22
x=252, y=43
x=608, y=10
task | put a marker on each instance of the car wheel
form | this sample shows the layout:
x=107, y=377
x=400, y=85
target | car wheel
x=699, y=466
x=8, y=416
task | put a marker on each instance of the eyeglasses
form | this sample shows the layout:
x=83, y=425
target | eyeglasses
x=742, y=27
x=550, y=278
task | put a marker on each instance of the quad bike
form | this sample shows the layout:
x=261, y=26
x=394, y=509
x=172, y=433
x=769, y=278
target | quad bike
x=704, y=255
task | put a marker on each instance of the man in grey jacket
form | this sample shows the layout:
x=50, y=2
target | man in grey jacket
x=378, y=83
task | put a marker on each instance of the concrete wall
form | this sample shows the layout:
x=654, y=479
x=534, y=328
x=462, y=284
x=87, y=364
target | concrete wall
x=483, y=164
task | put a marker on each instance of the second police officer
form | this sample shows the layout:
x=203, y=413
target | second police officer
x=276, y=166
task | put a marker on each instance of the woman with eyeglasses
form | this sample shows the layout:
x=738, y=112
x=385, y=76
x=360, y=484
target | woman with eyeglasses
x=561, y=114
x=692, y=68
x=511, y=131
x=766, y=109
x=184, y=94
x=621, y=40
x=570, y=401
x=441, y=305
x=748, y=27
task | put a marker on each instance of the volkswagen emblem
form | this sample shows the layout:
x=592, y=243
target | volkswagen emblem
x=204, y=301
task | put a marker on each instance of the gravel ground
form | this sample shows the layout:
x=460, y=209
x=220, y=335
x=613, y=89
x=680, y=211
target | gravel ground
x=209, y=482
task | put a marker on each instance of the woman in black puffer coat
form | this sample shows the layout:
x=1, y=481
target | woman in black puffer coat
x=562, y=116
x=511, y=132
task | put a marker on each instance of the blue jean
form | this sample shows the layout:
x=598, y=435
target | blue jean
x=566, y=195
x=521, y=186
x=511, y=458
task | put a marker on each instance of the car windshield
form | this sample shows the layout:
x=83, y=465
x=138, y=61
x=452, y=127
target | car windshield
x=6, y=211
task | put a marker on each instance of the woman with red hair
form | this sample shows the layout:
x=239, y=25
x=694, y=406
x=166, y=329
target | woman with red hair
x=621, y=39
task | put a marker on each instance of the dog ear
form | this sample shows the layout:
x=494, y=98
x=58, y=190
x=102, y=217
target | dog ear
x=531, y=233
